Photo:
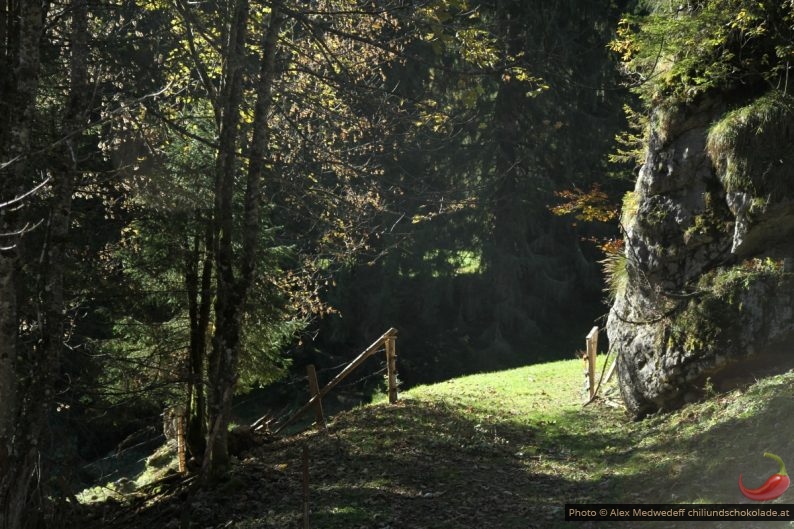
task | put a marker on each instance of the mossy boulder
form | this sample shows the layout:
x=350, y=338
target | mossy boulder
x=711, y=222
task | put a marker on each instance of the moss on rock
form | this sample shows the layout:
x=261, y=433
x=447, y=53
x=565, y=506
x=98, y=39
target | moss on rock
x=751, y=146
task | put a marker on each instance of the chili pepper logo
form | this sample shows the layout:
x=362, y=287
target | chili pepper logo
x=774, y=486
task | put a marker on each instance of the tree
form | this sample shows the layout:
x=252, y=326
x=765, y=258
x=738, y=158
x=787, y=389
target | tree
x=29, y=371
x=22, y=30
x=676, y=55
x=511, y=102
x=322, y=63
x=232, y=292
x=301, y=142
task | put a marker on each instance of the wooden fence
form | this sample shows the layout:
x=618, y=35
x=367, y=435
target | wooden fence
x=589, y=358
x=387, y=341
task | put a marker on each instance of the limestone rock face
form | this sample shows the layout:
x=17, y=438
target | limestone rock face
x=707, y=235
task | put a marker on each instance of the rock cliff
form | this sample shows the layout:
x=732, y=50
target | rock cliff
x=709, y=227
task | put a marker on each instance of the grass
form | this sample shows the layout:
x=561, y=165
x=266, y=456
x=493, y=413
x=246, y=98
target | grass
x=459, y=262
x=615, y=267
x=742, y=144
x=506, y=450
x=158, y=465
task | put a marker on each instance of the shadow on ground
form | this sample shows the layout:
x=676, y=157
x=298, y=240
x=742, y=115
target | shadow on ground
x=423, y=465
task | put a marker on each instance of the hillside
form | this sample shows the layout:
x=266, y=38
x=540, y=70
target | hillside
x=497, y=450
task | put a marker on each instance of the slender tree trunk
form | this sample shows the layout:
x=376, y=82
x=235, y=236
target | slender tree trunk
x=45, y=358
x=199, y=287
x=17, y=441
x=205, y=310
x=232, y=294
x=75, y=120
x=8, y=301
x=8, y=387
x=216, y=458
x=191, y=255
x=252, y=219
x=8, y=56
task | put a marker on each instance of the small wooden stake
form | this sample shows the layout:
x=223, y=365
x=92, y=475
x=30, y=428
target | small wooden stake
x=180, y=441
x=305, y=487
x=314, y=391
x=391, y=364
x=592, y=347
x=611, y=370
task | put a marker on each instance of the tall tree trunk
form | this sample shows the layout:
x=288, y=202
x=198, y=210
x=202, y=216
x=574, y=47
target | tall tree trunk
x=43, y=364
x=9, y=48
x=10, y=500
x=199, y=288
x=17, y=441
x=232, y=294
x=216, y=457
x=252, y=218
x=75, y=120
x=191, y=255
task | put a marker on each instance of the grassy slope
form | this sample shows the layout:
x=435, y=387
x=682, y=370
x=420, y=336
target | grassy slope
x=506, y=450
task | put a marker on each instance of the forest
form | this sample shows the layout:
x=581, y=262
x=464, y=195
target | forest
x=207, y=205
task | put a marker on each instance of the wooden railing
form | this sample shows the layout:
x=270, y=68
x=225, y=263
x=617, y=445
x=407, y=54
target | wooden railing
x=589, y=357
x=387, y=340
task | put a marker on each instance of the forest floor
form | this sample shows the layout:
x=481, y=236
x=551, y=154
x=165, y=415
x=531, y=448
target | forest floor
x=498, y=450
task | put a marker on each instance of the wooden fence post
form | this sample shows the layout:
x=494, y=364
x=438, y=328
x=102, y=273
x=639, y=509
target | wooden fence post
x=317, y=394
x=391, y=366
x=306, y=486
x=180, y=441
x=592, y=346
x=314, y=391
